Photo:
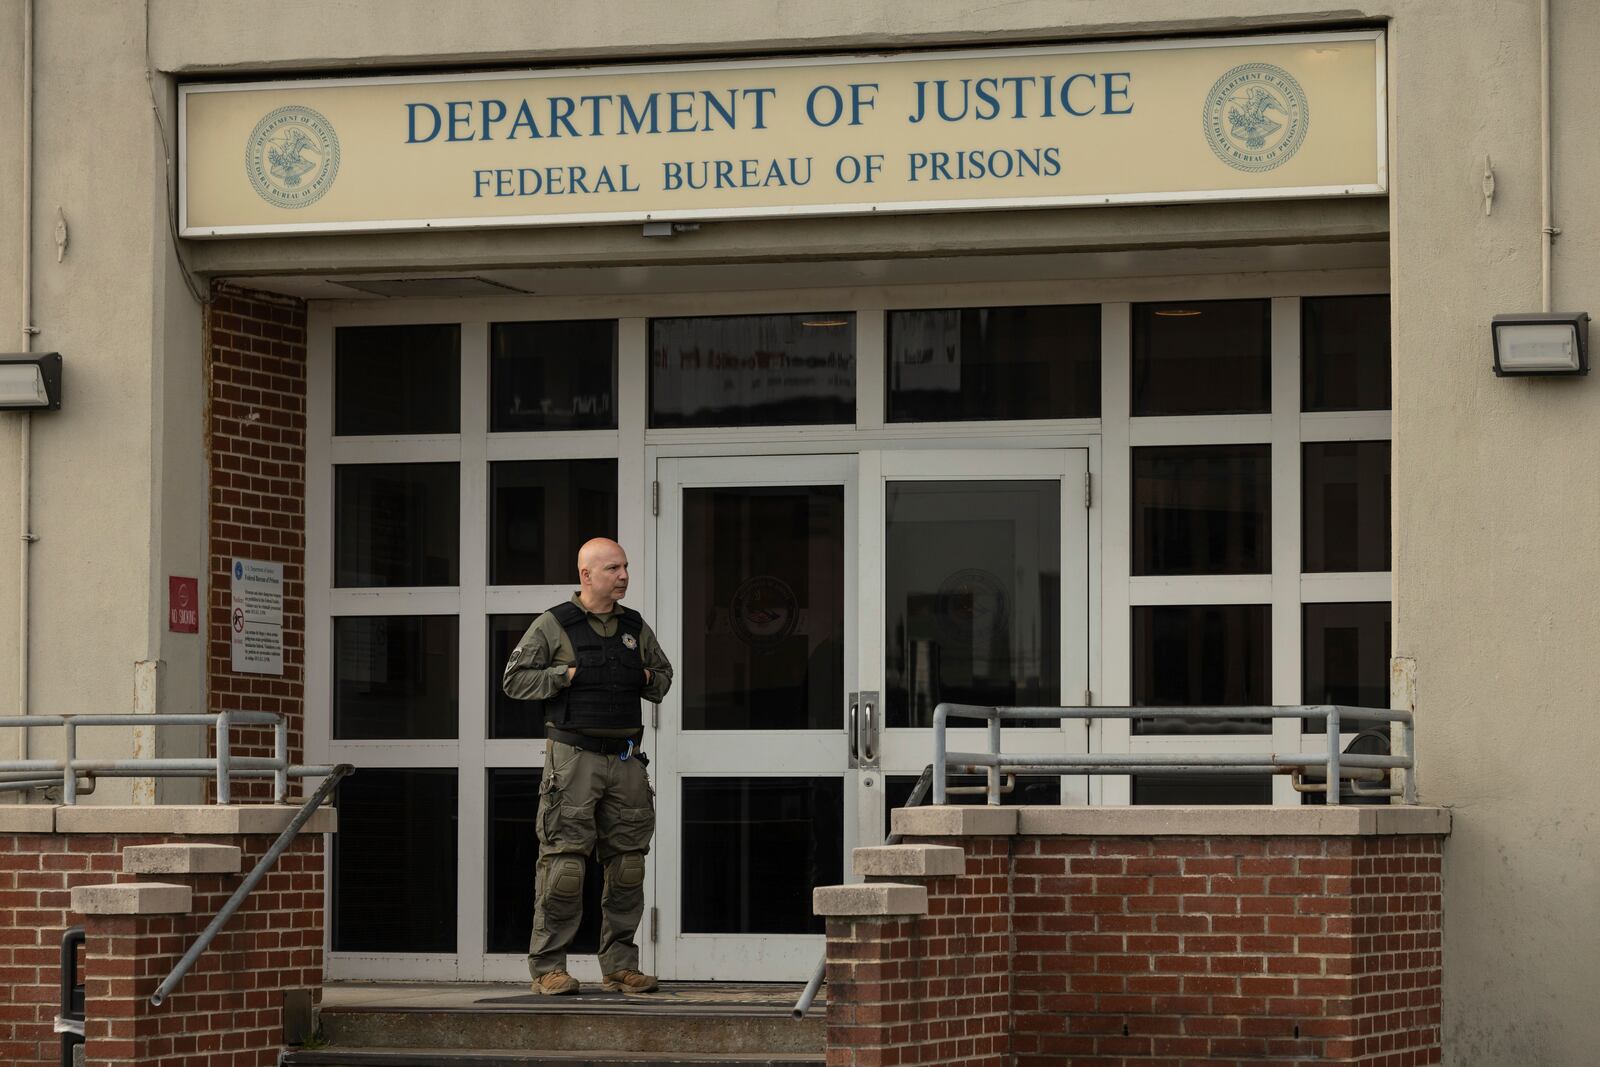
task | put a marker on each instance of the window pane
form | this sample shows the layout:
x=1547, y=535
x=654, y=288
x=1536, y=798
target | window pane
x=394, y=862
x=396, y=524
x=1345, y=496
x=1346, y=657
x=1202, y=357
x=1206, y=655
x=513, y=802
x=972, y=574
x=1202, y=509
x=394, y=677
x=755, y=848
x=962, y=364
x=1199, y=789
x=541, y=513
x=397, y=380
x=753, y=370
x=1029, y=789
x=552, y=376
x=1344, y=353
x=509, y=717
x=763, y=608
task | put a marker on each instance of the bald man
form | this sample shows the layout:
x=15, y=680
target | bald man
x=591, y=661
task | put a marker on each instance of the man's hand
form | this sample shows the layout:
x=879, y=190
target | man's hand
x=570, y=672
x=647, y=676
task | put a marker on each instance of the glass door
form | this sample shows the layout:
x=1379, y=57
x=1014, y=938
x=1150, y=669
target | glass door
x=975, y=590
x=755, y=804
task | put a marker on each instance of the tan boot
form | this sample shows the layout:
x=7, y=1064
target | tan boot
x=555, y=984
x=629, y=981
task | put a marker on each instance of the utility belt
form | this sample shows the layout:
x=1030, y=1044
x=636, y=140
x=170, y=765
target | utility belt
x=606, y=746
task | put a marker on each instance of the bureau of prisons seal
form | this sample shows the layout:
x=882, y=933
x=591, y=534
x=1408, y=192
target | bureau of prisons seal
x=764, y=612
x=1256, y=117
x=292, y=156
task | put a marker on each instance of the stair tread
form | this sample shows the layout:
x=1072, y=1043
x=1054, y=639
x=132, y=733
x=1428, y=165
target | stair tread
x=379, y=1056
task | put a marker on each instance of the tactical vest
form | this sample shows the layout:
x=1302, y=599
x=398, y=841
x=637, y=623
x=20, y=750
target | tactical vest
x=605, y=690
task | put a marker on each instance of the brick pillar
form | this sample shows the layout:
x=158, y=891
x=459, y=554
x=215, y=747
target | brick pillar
x=256, y=443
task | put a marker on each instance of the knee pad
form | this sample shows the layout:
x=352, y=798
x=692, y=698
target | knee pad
x=630, y=870
x=566, y=877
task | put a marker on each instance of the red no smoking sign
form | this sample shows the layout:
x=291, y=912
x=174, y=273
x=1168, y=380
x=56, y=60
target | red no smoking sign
x=183, y=605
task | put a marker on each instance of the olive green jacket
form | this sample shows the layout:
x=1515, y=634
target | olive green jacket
x=537, y=667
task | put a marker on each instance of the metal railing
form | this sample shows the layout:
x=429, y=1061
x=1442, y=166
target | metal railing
x=224, y=766
x=1357, y=768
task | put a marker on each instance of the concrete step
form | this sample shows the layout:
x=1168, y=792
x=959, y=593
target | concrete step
x=395, y=1057
x=682, y=1021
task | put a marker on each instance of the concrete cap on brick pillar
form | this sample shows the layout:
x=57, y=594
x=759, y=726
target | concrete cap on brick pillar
x=871, y=899
x=181, y=859
x=909, y=861
x=132, y=898
x=955, y=821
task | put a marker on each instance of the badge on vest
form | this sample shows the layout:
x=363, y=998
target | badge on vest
x=630, y=642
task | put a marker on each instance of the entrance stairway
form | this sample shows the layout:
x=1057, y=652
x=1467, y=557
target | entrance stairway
x=461, y=1024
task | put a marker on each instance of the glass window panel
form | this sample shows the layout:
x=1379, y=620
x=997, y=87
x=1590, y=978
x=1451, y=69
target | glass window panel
x=541, y=513
x=753, y=370
x=1202, y=357
x=1344, y=353
x=763, y=608
x=394, y=862
x=552, y=376
x=513, y=846
x=960, y=364
x=1205, y=655
x=973, y=595
x=1202, y=509
x=1187, y=790
x=1346, y=656
x=394, y=676
x=1029, y=789
x=1344, y=490
x=509, y=717
x=755, y=848
x=397, y=380
x=396, y=524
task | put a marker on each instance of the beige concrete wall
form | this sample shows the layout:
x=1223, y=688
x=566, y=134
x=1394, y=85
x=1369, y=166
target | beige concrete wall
x=1496, y=504
x=112, y=462
x=1495, y=501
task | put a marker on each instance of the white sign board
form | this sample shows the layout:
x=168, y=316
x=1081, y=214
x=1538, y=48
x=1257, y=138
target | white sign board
x=257, y=617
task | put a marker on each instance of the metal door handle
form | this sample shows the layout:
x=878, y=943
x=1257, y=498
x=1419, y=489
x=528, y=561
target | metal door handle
x=853, y=728
x=869, y=741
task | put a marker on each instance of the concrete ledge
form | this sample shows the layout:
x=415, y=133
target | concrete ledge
x=1245, y=821
x=909, y=861
x=955, y=820
x=872, y=899
x=132, y=898
x=198, y=819
x=181, y=859
x=27, y=818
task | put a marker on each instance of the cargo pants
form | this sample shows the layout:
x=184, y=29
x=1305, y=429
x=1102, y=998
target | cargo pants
x=589, y=799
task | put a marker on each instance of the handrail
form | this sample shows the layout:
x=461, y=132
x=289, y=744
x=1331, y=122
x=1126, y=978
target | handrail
x=1340, y=765
x=253, y=879
x=224, y=766
x=70, y=1021
x=809, y=993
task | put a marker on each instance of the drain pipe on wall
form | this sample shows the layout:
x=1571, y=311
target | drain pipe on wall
x=1547, y=231
x=25, y=430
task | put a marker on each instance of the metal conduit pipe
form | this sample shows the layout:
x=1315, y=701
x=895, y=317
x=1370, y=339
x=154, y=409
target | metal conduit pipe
x=25, y=427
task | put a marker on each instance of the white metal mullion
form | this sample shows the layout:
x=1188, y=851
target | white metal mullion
x=472, y=646
x=1350, y=588
x=316, y=694
x=555, y=444
x=634, y=481
x=1285, y=630
x=1346, y=426
x=431, y=448
x=1201, y=430
x=1113, y=501
x=872, y=358
x=1201, y=589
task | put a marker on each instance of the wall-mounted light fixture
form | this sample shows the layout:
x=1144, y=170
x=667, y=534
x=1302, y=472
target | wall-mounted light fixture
x=1546, y=343
x=30, y=382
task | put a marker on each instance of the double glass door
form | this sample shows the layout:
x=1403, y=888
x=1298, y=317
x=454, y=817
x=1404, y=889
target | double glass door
x=818, y=608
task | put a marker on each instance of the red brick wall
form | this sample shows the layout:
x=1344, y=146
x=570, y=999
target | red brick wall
x=256, y=441
x=927, y=990
x=231, y=1000
x=1164, y=951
